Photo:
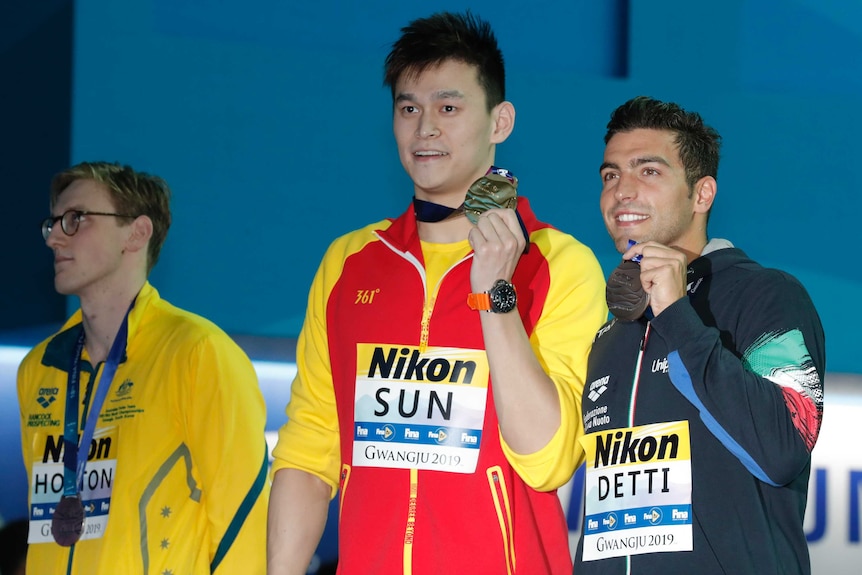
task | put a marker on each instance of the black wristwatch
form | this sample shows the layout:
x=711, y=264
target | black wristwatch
x=499, y=299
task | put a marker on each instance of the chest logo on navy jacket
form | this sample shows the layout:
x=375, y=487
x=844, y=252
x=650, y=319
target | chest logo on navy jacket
x=419, y=409
x=598, y=387
x=598, y=415
x=605, y=329
x=659, y=365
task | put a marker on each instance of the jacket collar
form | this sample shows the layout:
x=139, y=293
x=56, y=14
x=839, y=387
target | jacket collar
x=61, y=347
x=716, y=260
x=403, y=233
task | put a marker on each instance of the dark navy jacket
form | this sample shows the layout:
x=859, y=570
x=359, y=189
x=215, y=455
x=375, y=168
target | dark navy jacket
x=742, y=360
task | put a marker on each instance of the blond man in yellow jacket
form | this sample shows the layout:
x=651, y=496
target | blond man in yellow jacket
x=142, y=424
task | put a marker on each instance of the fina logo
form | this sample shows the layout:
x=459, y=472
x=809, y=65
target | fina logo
x=654, y=516
x=388, y=432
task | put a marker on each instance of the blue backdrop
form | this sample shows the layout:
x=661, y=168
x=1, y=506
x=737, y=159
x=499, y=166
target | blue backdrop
x=270, y=121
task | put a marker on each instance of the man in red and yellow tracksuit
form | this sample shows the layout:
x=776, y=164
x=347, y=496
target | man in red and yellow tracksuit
x=390, y=345
x=442, y=358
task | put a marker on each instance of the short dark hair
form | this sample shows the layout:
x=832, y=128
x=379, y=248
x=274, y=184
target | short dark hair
x=698, y=144
x=428, y=42
x=133, y=193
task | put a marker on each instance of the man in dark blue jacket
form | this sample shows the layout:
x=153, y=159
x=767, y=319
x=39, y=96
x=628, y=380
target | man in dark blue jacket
x=702, y=409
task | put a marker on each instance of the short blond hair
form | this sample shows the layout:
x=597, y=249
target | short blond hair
x=133, y=193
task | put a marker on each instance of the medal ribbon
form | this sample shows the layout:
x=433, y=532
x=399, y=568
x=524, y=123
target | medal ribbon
x=74, y=453
x=431, y=213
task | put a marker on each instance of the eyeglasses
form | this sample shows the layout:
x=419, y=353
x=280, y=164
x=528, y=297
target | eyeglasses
x=71, y=219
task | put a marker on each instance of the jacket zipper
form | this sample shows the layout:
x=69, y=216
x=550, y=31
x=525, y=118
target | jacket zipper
x=500, y=495
x=424, y=335
x=410, y=528
x=633, y=402
x=426, y=325
x=427, y=308
x=637, y=375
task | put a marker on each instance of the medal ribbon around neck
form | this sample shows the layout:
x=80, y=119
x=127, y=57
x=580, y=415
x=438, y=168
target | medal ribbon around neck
x=496, y=189
x=69, y=515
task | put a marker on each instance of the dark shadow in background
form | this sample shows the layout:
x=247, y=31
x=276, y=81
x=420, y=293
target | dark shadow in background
x=35, y=132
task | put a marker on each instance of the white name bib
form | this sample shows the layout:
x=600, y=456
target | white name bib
x=638, y=491
x=419, y=410
x=46, y=486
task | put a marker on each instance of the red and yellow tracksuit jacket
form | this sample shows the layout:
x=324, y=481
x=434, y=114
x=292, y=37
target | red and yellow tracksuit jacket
x=393, y=403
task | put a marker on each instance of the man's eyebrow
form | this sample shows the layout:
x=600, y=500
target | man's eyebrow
x=448, y=95
x=649, y=160
x=76, y=207
x=440, y=95
x=636, y=162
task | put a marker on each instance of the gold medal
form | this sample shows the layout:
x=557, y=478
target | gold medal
x=490, y=191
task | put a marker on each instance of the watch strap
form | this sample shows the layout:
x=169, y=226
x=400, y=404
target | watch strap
x=479, y=301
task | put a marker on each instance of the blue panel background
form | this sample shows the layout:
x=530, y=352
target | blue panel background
x=271, y=123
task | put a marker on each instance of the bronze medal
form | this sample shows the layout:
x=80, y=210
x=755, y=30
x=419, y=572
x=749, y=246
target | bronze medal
x=625, y=295
x=490, y=191
x=68, y=521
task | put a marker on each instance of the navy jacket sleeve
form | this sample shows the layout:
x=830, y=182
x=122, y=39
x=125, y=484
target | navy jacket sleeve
x=754, y=371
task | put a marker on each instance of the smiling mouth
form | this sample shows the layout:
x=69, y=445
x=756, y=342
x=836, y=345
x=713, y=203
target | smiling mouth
x=629, y=218
x=429, y=154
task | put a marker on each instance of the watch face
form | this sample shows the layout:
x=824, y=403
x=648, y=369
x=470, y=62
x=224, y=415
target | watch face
x=503, y=297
